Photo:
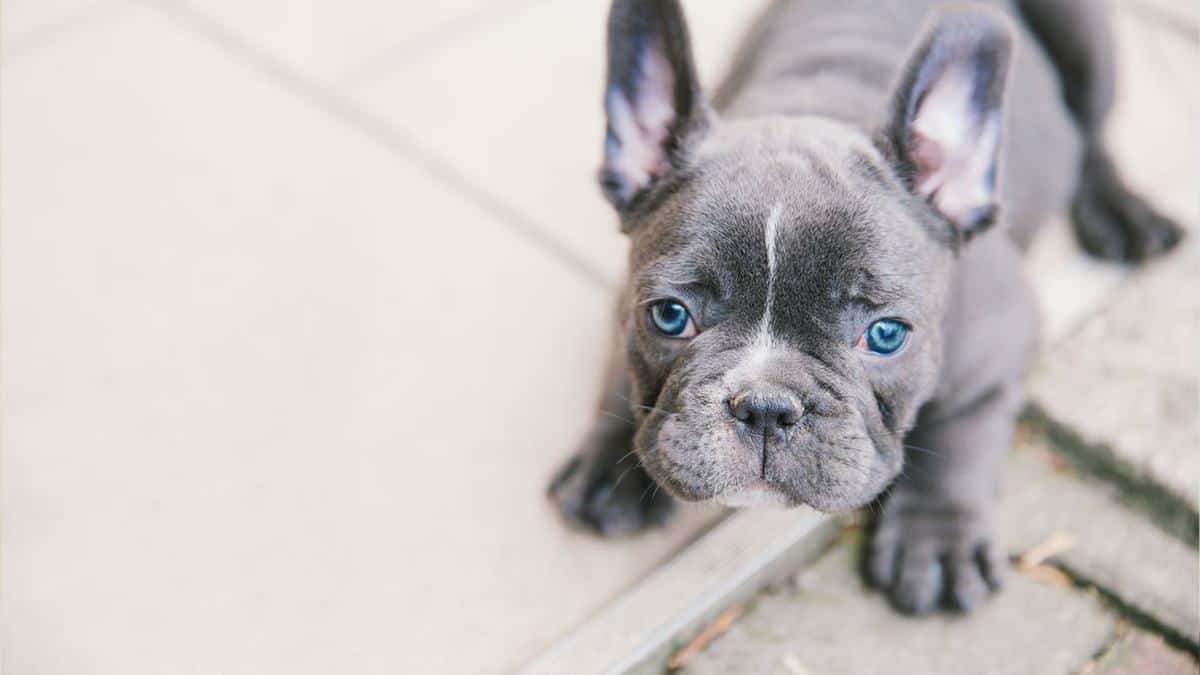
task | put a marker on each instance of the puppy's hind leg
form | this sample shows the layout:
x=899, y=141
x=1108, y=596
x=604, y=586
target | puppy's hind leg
x=1110, y=221
x=603, y=488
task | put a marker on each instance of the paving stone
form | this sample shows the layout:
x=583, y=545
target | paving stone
x=830, y=623
x=1127, y=379
x=274, y=400
x=1113, y=547
x=1141, y=653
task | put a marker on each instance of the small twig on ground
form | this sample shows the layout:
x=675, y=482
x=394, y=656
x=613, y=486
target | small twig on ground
x=711, y=632
x=1056, y=544
x=1047, y=574
x=1031, y=563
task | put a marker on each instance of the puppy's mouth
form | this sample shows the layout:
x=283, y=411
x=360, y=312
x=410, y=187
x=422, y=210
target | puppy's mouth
x=713, y=461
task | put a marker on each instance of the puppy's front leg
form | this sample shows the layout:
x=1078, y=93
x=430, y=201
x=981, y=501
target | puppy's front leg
x=934, y=537
x=603, y=488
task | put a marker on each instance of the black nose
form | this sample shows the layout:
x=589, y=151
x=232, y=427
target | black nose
x=765, y=411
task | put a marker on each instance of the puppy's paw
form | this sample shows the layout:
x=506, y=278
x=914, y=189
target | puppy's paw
x=926, y=554
x=1113, y=223
x=611, y=497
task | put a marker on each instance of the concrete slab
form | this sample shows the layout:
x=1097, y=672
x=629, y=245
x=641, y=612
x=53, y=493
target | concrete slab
x=829, y=623
x=1113, y=547
x=1127, y=380
x=539, y=77
x=273, y=400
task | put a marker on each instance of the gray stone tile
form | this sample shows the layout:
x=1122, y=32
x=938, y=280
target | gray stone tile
x=274, y=401
x=1127, y=380
x=1113, y=547
x=832, y=624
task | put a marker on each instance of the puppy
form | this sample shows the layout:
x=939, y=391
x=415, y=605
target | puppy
x=825, y=296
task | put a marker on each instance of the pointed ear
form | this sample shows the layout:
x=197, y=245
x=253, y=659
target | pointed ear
x=652, y=97
x=946, y=117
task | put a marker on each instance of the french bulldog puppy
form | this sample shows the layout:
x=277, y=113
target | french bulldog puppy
x=825, y=299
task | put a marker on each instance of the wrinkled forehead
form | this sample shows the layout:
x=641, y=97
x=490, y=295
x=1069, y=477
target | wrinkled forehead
x=815, y=226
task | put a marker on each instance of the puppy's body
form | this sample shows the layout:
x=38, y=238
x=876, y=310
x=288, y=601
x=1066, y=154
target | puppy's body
x=845, y=184
x=840, y=58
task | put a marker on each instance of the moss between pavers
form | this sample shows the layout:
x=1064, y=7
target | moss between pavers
x=1136, y=490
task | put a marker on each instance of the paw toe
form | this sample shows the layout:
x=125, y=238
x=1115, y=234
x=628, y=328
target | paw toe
x=918, y=585
x=967, y=587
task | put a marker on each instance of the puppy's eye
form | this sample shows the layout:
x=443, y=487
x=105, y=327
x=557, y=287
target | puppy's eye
x=671, y=319
x=885, y=336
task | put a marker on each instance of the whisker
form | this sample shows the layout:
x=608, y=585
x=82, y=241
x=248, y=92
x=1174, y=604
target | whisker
x=622, y=458
x=644, y=407
x=653, y=484
x=617, y=417
x=928, y=451
x=633, y=466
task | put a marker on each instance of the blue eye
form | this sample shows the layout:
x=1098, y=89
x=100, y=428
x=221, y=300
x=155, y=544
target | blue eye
x=671, y=319
x=885, y=336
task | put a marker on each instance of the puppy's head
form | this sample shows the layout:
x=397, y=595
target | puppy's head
x=789, y=274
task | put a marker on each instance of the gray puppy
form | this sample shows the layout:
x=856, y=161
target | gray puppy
x=825, y=295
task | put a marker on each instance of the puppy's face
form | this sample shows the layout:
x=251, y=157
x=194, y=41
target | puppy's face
x=784, y=319
x=788, y=275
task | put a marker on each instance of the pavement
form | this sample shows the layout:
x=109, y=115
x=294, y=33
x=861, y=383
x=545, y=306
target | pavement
x=304, y=302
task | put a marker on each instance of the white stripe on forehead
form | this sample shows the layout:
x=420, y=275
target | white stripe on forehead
x=770, y=237
x=760, y=350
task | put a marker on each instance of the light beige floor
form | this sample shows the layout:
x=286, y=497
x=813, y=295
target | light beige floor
x=302, y=304
x=287, y=363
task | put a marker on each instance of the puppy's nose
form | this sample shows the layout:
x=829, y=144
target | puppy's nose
x=765, y=411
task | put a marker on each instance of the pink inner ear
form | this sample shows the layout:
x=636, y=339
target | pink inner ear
x=642, y=127
x=954, y=147
x=927, y=156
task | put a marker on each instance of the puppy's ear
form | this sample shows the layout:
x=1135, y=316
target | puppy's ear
x=652, y=98
x=946, y=116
